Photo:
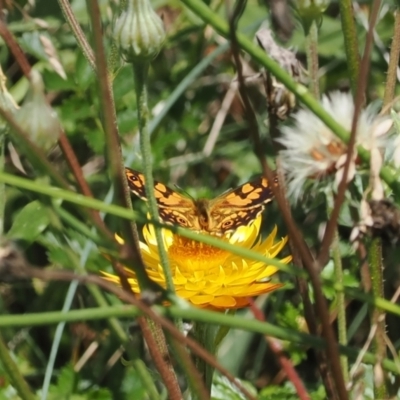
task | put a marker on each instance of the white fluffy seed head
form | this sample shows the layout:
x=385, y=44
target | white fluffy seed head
x=313, y=151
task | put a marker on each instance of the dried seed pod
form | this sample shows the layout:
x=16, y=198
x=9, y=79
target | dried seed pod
x=280, y=100
x=385, y=220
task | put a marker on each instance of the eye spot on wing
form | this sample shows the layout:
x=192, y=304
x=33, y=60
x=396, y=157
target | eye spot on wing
x=136, y=183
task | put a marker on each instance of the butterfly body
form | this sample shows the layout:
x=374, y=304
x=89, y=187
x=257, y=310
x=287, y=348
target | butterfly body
x=224, y=214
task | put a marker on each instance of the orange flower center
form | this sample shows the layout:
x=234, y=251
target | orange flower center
x=190, y=255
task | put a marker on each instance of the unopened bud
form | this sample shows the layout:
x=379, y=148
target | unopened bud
x=139, y=31
x=7, y=102
x=36, y=116
x=310, y=11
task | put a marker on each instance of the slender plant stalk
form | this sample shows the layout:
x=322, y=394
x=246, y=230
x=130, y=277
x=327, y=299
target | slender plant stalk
x=350, y=42
x=56, y=340
x=204, y=333
x=198, y=390
x=128, y=214
x=312, y=59
x=377, y=316
x=340, y=296
x=375, y=251
x=78, y=32
x=78, y=225
x=7, y=101
x=140, y=71
x=159, y=353
x=2, y=185
x=13, y=372
x=391, y=78
x=341, y=306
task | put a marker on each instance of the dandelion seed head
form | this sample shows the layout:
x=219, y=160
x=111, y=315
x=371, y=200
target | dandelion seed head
x=312, y=150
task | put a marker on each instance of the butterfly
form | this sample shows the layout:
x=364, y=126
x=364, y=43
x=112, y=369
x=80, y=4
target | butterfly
x=224, y=214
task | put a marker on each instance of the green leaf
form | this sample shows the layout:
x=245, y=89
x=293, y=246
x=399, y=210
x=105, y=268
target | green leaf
x=30, y=222
x=30, y=42
x=274, y=392
x=223, y=389
x=84, y=74
x=55, y=82
x=132, y=386
x=65, y=382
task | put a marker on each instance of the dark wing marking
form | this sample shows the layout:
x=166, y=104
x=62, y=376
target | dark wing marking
x=173, y=207
x=242, y=204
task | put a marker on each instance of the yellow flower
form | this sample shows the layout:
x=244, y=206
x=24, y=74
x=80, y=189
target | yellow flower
x=209, y=277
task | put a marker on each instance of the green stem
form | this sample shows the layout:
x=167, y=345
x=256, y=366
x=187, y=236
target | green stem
x=204, y=333
x=78, y=225
x=69, y=196
x=341, y=305
x=2, y=185
x=78, y=32
x=13, y=372
x=377, y=316
x=350, y=42
x=264, y=328
x=391, y=78
x=140, y=71
x=197, y=388
x=312, y=59
x=56, y=340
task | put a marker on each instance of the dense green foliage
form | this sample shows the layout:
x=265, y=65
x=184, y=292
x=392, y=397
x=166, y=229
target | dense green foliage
x=189, y=82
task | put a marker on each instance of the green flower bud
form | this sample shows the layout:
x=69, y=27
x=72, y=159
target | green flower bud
x=311, y=10
x=7, y=102
x=36, y=117
x=139, y=31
